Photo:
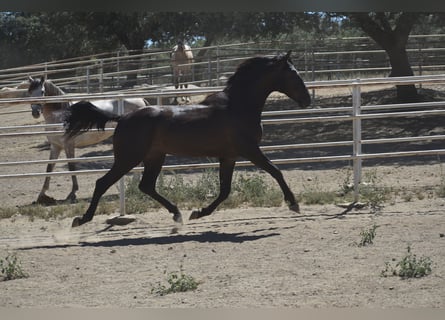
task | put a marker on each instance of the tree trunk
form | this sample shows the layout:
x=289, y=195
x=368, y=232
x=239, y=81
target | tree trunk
x=393, y=41
x=401, y=67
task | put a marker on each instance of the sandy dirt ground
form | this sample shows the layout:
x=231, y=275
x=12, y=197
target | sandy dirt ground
x=243, y=257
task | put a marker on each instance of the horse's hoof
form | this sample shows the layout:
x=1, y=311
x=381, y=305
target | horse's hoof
x=295, y=208
x=195, y=215
x=76, y=222
x=71, y=199
x=177, y=217
x=46, y=200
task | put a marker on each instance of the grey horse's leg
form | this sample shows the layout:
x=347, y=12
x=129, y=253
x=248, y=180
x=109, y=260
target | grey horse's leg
x=43, y=198
x=69, y=150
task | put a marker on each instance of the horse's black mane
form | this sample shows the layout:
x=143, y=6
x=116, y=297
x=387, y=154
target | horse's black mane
x=249, y=71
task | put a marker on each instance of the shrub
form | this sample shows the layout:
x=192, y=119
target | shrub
x=177, y=283
x=367, y=236
x=11, y=268
x=409, y=267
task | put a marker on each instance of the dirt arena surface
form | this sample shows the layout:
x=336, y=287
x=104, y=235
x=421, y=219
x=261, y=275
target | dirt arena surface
x=243, y=257
x=252, y=257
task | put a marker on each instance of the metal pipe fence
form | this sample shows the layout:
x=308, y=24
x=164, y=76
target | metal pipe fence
x=356, y=113
x=109, y=71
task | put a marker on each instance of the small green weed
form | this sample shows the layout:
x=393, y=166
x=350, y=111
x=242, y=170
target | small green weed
x=317, y=194
x=254, y=190
x=177, y=283
x=409, y=267
x=11, y=268
x=7, y=212
x=367, y=236
x=440, y=191
x=33, y=211
x=372, y=193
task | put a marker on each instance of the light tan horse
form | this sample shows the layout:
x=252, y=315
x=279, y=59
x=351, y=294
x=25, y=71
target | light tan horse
x=181, y=57
x=56, y=113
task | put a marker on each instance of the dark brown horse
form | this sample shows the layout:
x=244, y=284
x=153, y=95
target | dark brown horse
x=225, y=125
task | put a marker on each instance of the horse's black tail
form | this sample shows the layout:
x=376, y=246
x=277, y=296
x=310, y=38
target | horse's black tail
x=84, y=115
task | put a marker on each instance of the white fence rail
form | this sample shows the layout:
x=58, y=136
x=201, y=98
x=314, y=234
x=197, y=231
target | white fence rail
x=343, y=57
x=353, y=114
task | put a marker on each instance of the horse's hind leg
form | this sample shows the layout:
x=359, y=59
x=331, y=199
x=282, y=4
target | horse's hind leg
x=148, y=185
x=226, y=167
x=43, y=198
x=117, y=171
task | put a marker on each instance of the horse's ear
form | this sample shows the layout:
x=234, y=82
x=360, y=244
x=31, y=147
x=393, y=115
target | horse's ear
x=42, y=79
x=287, y=56
x=30, y=79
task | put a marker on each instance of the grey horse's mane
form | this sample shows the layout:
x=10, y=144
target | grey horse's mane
x=52, y=90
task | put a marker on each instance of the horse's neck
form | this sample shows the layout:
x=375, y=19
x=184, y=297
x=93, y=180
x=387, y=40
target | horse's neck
x=52, y=90
x=54, y=112
x=248, y=100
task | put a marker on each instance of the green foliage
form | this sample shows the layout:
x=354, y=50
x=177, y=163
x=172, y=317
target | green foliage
x=11, y=268
x=440, y=190
x=7, y=212
x=367, y=236
x=372, y=192
x=254, y=190
x=409, y=267
x=250, y=189
x=316, y=193
x=177, y=283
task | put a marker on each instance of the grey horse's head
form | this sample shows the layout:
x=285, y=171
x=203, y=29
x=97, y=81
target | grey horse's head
x=36, y=89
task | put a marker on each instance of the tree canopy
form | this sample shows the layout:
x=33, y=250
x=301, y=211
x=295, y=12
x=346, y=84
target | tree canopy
x=28, y=38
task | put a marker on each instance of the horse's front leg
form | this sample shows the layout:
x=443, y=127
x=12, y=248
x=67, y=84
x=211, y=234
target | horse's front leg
x=43, y=198
x=226, y=167
x=69, y=151
x=256, y=156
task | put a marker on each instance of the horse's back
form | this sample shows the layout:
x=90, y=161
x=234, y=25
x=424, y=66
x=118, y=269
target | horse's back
x=195, y=130
x=130, y=105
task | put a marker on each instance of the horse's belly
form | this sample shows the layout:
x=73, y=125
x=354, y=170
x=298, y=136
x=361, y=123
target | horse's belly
x=199, y=146
x=89, y=138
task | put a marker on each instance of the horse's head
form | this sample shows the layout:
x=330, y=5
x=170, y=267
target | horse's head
x=290, y=83
x=180, y=45
x=36, y=89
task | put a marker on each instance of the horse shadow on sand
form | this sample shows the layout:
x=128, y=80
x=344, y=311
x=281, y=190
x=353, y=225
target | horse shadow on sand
x=204, y=237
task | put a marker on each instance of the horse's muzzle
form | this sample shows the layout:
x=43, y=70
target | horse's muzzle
x=35, y=111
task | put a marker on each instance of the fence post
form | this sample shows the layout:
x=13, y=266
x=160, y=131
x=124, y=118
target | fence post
x=118, y=69
x=120, y=110
x=159, y=98
x=217, y=66
x=357, y=137
x=101, y=76
x=209, y=70
x=88, y=79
